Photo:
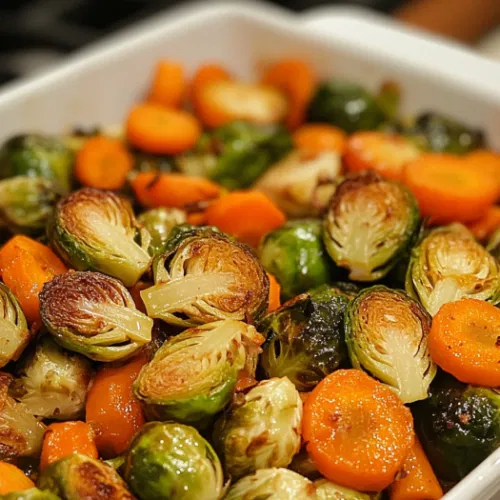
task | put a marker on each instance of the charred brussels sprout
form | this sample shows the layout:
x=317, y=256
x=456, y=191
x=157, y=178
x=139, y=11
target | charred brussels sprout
x=326, y=490
x=193, y=375
x=235, y=155
x=97, y=230
x=169, y=461
x=95, y=315
x=369, y=224
x=386, y=334
x=35, y=155
x=261, y=429
x=78, y=477
x=305, y=337
x=31, y=494
x=206, y=277
x=450, y=264
x=296, y=256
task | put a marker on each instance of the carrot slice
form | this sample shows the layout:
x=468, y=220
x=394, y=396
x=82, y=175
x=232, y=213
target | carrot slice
x=13, y=479
x=207, y=73
x=448, y=189
x=465, y=341
x=274, y=293
x=418, y=481
x=315, y=138
x=172, y=190
x=487, y=161
x=155, y=129
x=358, y=432
x=112, y=410
x=247, y=215
x=196, y=219
x=382, y=153
x=26, y=265
x=64, y=438
x=297, y=79
x=103, y=163
x=484, y=227
x=169, y=85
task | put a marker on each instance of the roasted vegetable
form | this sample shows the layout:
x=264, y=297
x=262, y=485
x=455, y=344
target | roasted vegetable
x=31, y=494
x=305, y=337
x=450, y=264
x=147, y=162
x=261, y=429
x=303, y=465
x=96, y=230
x=386, y=334
x=326, y=490
x=95, y=315
x=296, y=256
x=369, y=224
x=493, y=245
x=193, y=375
x=167, y=461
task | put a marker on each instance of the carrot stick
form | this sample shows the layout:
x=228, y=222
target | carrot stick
x=64, y=438
x=358, y=432
x=247, y=215
x=418, y=480
x=155, y=129
x=13, y=479
x=274, y=293
x=465, y=341
x=172, y=190
x=484, y=227
x=315, y=138
x=26, y=265
x=112, y=409
x=169, y=85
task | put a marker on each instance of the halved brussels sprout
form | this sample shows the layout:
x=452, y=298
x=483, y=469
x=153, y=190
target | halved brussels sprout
x=261, y=429
x=450, y=264
x=302, y=186
x=97, y=230
x=14, y=333
x=93, y=314
x=31, y=494
x=207, y=277
x=386, y=334
x=167, y=461
x=369, y=224
x=35, y=155
x=326, y=490
x=78, y=477
x=272, y=484
x=235, y=155
x=193, y=375
x=21, y=433
x=305, y=337
x=53, y=382
x=296, y=256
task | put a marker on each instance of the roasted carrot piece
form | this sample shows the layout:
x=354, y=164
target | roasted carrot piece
x=155, y=129
x=196, y=219
x=487, y=224
x=64, y=438
x=26, y=265
x=484, y=160
x=358, y=432
x=169, y=85
x=465, y=341
x=314, y=138
x=247, y=215
x=418, y=481
x=13, y=479
x=207, y=73
x=274, y=293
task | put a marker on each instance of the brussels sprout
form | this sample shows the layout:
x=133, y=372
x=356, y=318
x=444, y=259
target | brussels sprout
x=193, y=375
x=53, y=382
x=305, y=337
x=369, y=224
x=235, y=155
x=345, y=105
x=31, y=494
x=14, y=333
x=206, y=277
x=326, y=490
x=459, y=426
x=273, y=484
x=261, y=429
x=93, y=314
x=302, y=186
x=148, y=162
x=78, y=477
x=173, y=461
x=34, y=155
x=96, y=230
x=295, y=255
x=21, y=433
x=450, y=264
x=180, y=232
x=386, y=334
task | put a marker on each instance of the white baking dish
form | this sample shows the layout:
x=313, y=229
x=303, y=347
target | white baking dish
x=98, y=85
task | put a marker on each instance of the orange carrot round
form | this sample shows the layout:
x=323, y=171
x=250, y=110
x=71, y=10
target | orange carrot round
x=465, y=341
x=358, y=432
x=487, y=161
x=169, y=85
x=206, y=74
x=315, y=138
x=274, y=293
x=484, y=227
x=13, y=479
x=155, y=129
